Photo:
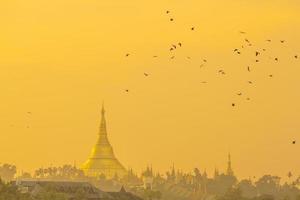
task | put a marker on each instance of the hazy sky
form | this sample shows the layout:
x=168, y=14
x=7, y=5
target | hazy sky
x=59, y=59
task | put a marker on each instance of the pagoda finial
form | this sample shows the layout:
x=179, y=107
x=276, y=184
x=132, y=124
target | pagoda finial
x=102, y=110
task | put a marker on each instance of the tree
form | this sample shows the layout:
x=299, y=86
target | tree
x=7, y=172
x=247, y=188
x=268, y=185
x=232, y=194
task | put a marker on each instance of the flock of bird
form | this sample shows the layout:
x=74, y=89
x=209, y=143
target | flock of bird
x=237, y=51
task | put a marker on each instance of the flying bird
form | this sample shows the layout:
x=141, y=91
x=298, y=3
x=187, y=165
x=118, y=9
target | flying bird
x=247, y=40
x=296, y=56
x=250, y=82
x=240, y=94
x=294, y=142
x=256, y=60
x=171, y=19
x=167, y=11
x=29, y=113
x=126, y=90
x=270, y=75
x=282, y=41
x=204, y=60
x=268, y=40
x=221, y=72
x=127, y=54
x=276, y=59
x=174, y=46
x=233, y=104
x=146, y=74
x=180, y=44
x=248, y=68
x=193, y=28
x=242, y=32
x=257, y=53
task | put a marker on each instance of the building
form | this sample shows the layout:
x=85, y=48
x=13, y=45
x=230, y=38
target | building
x=102, y=160
x=72, y=190
x=148, y=178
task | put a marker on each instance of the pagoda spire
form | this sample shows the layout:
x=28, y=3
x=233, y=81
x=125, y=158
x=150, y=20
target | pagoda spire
x=102, y=131
x=229, y=168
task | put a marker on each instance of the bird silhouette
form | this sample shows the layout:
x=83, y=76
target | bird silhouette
x=126, y=90
x=250, y=82
x=204, y=60
x=193, y=28
x=282, y=41
x=276, y=59
x=146, y=74
x=167, y=11
x=269, y=40
x=233, y=104
x=271, y=75
x=171, y=19
x=296, y=56
x=240, y=94
x=294, y=142
x=174, y=46
x=242, y=32
x=127, y=54
x=257, y=53
x=248, y=68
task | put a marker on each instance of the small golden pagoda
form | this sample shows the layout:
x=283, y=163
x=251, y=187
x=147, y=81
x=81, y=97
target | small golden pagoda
x=102, y=160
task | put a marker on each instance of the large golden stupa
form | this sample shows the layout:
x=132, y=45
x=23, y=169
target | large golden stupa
x=102, y=160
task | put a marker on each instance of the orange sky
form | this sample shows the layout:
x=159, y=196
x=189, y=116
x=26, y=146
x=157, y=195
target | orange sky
x=60, y=59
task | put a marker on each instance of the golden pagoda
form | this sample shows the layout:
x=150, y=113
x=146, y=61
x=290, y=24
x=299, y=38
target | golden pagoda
x=102, y=160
